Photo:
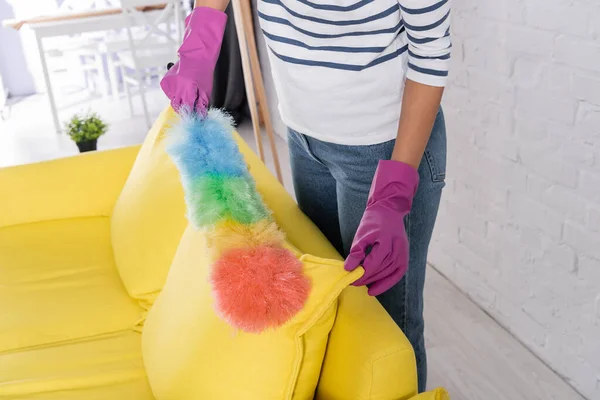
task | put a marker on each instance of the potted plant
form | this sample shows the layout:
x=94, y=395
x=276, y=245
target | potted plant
x=85, y=130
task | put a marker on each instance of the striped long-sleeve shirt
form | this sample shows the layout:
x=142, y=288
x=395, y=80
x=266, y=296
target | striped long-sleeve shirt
x=339, y=66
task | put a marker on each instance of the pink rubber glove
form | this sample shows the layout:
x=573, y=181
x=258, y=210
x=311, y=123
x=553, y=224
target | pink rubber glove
x=381, y=244
x=189, y=82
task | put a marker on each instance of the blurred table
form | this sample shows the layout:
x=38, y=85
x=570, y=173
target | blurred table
x=71, y=24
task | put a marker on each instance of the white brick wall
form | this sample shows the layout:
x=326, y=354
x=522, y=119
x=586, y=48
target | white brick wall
x=519, y=226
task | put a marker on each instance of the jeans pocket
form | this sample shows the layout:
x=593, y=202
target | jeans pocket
x=435, y=152
x=437, y=175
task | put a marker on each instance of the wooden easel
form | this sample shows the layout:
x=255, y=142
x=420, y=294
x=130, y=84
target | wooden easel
x=255, y=88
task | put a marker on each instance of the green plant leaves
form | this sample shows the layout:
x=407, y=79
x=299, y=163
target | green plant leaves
x=85, y=127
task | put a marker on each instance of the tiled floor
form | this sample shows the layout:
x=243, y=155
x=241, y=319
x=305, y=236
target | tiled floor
x=469, y=354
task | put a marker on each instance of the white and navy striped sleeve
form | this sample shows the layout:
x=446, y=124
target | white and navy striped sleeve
x=427, y=24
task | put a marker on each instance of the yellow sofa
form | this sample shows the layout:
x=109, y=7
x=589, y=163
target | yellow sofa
x=69, y=329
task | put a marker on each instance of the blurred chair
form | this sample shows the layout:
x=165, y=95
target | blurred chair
x=153, y=39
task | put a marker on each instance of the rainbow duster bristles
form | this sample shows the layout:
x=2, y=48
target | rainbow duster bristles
x=257, y=283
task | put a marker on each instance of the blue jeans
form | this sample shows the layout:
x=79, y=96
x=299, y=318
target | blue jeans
x=332, y=184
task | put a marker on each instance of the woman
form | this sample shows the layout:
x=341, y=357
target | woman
x=359, y=84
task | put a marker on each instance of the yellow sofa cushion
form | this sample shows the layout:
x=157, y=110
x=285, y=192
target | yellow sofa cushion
x=97, y=368
x=60, y=281
x=190, y=353
x=86, y=185
x=149, y=218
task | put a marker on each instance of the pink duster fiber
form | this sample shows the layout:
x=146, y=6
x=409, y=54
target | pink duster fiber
x=259, y=288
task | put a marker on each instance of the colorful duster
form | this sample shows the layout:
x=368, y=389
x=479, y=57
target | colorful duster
x=257, y=283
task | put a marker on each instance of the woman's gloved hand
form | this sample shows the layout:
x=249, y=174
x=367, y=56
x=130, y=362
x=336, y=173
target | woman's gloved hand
x=189, y=81
x=381, y=244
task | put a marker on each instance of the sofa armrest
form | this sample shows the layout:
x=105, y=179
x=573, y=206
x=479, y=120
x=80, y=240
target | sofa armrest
x=80, y=186
x=367, y=357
